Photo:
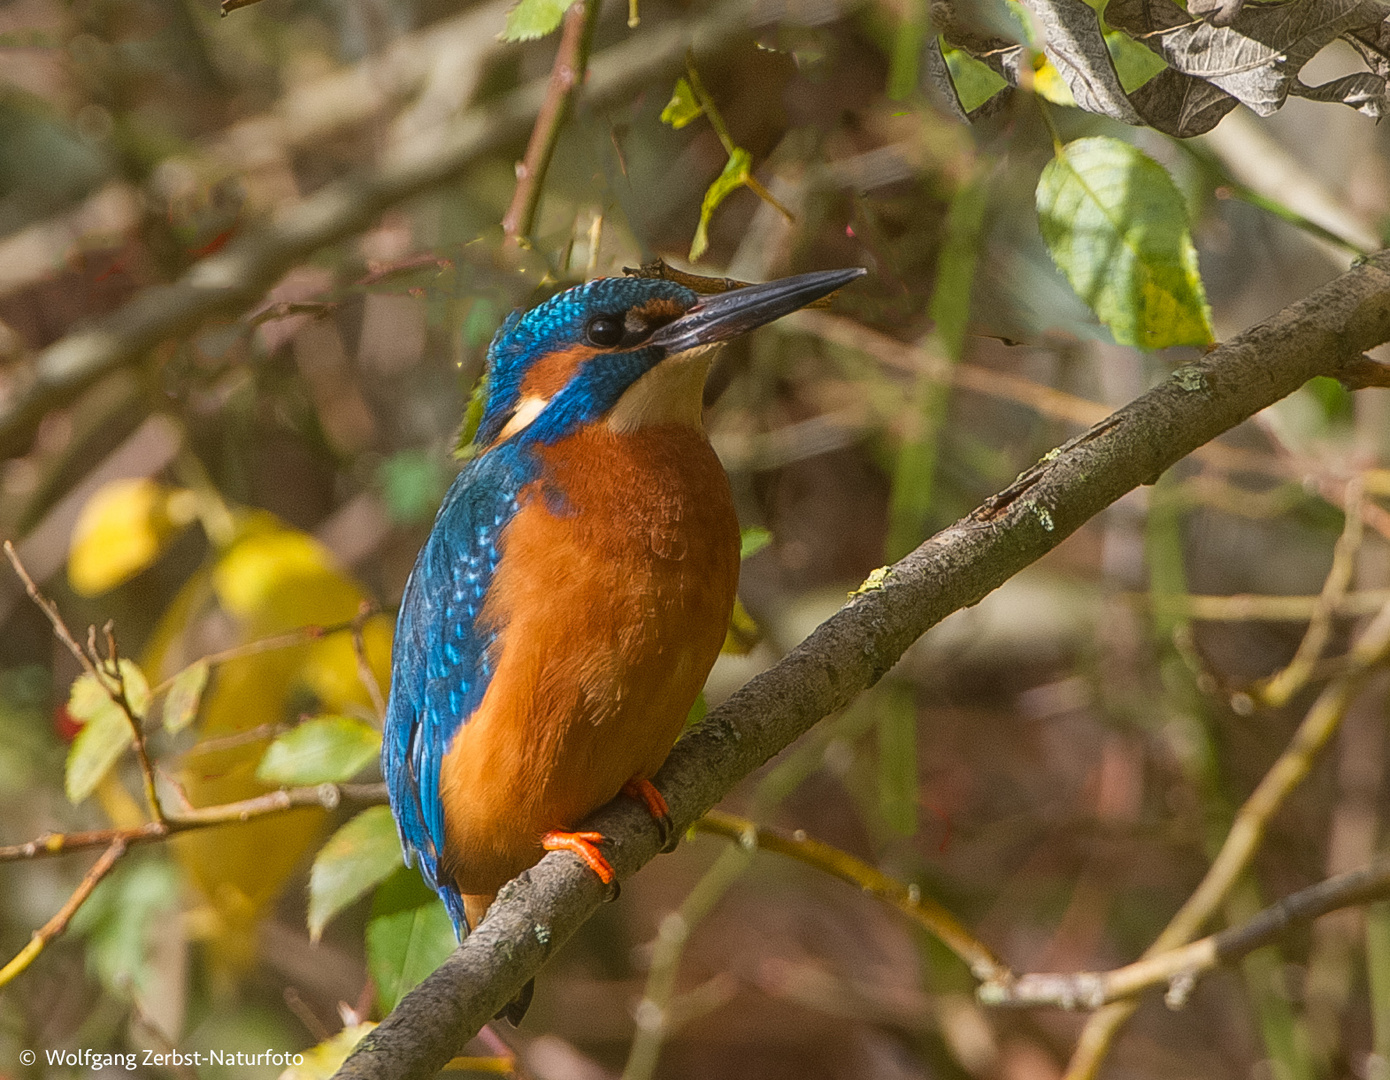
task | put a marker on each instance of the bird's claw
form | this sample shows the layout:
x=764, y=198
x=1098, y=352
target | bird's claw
x=645, y=792
x=585, y=846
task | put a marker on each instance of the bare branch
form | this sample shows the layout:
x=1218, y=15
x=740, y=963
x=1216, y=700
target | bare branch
x=328, y=796
x=566, y=77
x=1371, y=650
x=56, y=925
x=1178, y=968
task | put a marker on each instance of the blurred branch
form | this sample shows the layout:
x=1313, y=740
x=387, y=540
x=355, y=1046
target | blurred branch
x=566, y=77
x=1249, y=607
x=1179, y=967
x=1371, y=649
x=908, y=899
x=1276, y=690
x=328, y=796
x=231, y=280
x=656, y=1014
x=535, y=914
x=59, y=922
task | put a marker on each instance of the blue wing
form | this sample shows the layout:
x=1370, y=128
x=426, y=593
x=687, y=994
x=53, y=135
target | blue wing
x=439, y=662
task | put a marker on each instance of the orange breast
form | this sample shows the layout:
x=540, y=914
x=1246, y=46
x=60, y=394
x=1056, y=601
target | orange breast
x=611, y=609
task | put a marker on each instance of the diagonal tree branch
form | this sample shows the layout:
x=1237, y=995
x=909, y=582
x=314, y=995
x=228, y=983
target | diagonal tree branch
x=234, y=278
x=537, y=913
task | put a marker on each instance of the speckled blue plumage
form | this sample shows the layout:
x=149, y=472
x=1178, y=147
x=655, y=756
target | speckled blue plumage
x=441, y=654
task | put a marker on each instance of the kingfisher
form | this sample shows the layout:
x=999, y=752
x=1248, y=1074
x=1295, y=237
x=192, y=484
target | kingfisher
x=577, y=585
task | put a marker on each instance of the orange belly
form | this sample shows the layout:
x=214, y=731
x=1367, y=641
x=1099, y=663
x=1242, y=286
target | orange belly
x=611, y=608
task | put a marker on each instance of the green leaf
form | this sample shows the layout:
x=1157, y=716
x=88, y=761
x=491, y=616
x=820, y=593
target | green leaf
x=975, y=81
x=408, y=936
x=106, y=730
x=1135, y=64
x=326, y=749
x=119, y=921
x=472, y=417
x=533, y=19
x=897, y=759
x=683, y=106
x=361, y=854
x=734, y=176
x=1117, y=227
x=699, y=709
x=412, y=483
x=185, y=695
x=752, y=540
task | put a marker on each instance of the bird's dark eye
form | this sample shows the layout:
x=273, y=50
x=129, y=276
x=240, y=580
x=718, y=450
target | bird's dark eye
x=605, y=330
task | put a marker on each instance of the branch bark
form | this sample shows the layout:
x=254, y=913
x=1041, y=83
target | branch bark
x=537, y=913
x=230, y=281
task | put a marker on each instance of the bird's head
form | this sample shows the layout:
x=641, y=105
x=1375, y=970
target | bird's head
x=622, y=350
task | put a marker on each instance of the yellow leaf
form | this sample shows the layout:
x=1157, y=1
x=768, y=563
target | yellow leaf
x=323, y=1060
x=123, y=528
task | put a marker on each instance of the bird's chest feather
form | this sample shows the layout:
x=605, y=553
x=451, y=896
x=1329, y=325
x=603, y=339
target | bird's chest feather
x=610, y=602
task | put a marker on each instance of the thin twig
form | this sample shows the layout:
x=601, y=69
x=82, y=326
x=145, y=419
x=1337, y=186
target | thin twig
x=908, y=899
x=365, y=674
x=50, y=609
x=1253, y=607
x=1247, y=831
x=56, y=925
x=1276, y=690
x=1178, y=968
x=107, y=673
x=654, y=1013
x=134, y=719
x=566, y=76
x=274, y=802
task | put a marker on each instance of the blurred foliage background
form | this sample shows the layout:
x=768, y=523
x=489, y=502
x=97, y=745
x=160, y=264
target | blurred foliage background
x=1054, y=765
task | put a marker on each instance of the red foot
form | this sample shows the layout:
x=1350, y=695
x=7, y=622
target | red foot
x=644, y=791
x=583, y=845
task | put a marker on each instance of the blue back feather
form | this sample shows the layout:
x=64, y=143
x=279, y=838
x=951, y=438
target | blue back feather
x=440, y=659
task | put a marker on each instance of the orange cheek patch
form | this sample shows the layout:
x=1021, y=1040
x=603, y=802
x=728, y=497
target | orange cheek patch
x=550, y=374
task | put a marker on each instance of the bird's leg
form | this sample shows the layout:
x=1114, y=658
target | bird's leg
x=645, y=792
x=584, y=845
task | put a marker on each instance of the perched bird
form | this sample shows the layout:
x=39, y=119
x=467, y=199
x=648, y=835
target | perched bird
x=577, y=585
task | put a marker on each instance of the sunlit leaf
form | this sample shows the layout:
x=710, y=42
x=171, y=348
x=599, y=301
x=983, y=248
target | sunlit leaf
x=683, y=106
x=106, y=730
x=408, y=936
x=184, y=696
x=1117, y=227
x=734, y=176
x=326, y=749
x=699, y=709
x=123, y=528
x=1134, y=64
x=532, y=19
x=361, y=854
x=752, y=540
x=325, y=1059
x=975, y=82
x=1048, y=82
x=743, y=633
x=472, y=417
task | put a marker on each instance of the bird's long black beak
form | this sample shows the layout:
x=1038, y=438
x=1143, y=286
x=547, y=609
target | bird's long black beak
x=727, y=315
